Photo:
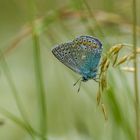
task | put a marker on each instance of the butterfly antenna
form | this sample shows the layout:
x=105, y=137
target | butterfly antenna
x=79, y=86
x=77, y=81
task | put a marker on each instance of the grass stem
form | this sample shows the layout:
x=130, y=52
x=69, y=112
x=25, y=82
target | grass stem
x=39, y=82
x=136, y=70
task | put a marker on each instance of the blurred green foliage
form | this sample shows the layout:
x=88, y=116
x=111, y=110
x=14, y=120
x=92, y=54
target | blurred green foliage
x=70, y=116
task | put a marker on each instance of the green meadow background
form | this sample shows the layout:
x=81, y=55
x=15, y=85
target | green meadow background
x=37, y=97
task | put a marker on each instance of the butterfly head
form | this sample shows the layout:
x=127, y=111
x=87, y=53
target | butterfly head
x=87, y=75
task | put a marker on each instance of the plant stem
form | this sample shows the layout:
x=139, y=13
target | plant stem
x=136, y=70
x=39, y=82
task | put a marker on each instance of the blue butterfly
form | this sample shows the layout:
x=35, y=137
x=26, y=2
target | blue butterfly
x=82, y=55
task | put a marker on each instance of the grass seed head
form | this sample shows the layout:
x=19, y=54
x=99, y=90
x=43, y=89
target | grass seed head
x=105, y=65
x=103, y=82
x=115, y=49
x=122, y=60
x=115, y=58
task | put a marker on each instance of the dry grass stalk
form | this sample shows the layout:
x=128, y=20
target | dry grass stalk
x=105, y=64
x=115, y=58
x=98, y=98
x=104, y=111
x=103, y=81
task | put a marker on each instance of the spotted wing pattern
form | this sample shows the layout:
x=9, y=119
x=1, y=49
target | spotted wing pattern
x=88, y=53
x=63, y=53
x=82, y=55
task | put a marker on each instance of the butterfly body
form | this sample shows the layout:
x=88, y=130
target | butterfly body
x=82, y=55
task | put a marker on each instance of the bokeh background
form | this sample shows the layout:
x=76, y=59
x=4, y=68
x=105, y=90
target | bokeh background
x=38, y=100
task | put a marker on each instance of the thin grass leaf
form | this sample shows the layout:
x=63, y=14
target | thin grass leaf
x=41, y=95
x=136, y=89
x=17, y=121
x=39, y=81
x=13, y=89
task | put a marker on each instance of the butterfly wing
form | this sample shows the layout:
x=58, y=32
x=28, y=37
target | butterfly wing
x=88, y=55
x=63, y=53
x=82, y=55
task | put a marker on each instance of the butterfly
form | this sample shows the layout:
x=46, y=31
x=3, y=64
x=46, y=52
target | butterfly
x=82, y=55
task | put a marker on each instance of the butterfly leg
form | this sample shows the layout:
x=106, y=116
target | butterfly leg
x=97, y=79
x=79, y=86
x=77, y=81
